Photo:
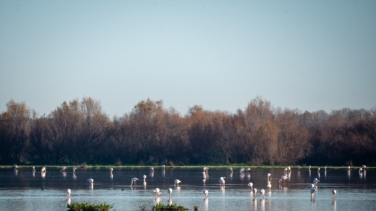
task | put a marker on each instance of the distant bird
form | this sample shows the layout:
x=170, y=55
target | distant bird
x=133, y=181
x=163, y=167
x=231, y=171
x=268, y=177
x=309, y=168
x=315, y=182
x=177, y=182
x=203, y=175
x=361, y=170
x=289, y=169
x=74, y=169
x=298, y=167
x=348, y=168
x=144, y=179
x=318, y=170
x=157, y=192
x=364, y=167
x=313, y=190
x=151, y=169
x=262, y=193
x=248, y=169
x=222, y=181
x=241, y=171
x=254, y=192
x=283, y=179
x=43, y=170
x=33, y=169
x=111, y=170
x=285, y=171
x=68, y=193
x=325, y=168
x=15, y=167
x=91, y=181
x=334, y=192
x=250, y=185
x=63, y=169
x=169, y=191
x=206, y=193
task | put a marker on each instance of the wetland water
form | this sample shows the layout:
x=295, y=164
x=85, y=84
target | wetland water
x=21, y=189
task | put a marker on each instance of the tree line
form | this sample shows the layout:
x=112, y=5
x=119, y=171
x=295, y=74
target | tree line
x=80, y=132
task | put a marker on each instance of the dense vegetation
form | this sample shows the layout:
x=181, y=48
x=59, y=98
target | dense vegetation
x=79, y=131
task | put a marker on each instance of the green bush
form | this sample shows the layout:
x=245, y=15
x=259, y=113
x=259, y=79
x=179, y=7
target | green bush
x=89, y=207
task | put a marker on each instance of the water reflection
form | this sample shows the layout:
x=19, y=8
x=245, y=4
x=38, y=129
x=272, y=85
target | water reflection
x=293, y=195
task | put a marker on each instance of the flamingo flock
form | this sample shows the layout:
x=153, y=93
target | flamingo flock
x=253, y=190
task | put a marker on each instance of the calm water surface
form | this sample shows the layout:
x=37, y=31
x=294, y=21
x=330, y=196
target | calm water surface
x=21, y=190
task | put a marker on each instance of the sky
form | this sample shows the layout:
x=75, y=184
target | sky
x=305, y=55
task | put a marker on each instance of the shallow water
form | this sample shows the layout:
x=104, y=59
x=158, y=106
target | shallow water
x=21, y=190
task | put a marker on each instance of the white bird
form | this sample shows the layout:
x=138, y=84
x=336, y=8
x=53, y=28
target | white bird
x=206, y=193
x=262, y=193
x=313, y=190
x=157, y=192
x=163, y=167
x=169, y=192
x=203, y=175
x=348, y=168
x=222, y=181
x=241, y=170
x=248, y=169
x=283, y=179
x=315, y=182
x=269, y=178
x=34, y=169
x=68, y=193
x=361, y=170
x=250, y=185
x=334, y=192
x=91, y=181
x=111, y=170
x=144, y=179
x=269, y=184
x=289, y=169
x=133, y=181
x=63, y=169
x=74, y=170
x=43, y=170
x=254, y=192
x=151, y=169
x=364, y=167
x=231, y=171
x=309, y=168
x=177, y=182
x=15, y=167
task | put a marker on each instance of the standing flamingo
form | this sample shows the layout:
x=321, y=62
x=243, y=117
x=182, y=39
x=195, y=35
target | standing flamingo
x=262, y=193
x=206, y=193
x=222, y=181
x=68, y=193
x=250, y=185
x=157, y=192
x=169, y=192
x=334, y=192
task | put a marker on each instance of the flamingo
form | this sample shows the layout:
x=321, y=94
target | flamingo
x=111, y=170
x=309, y=168
x=222, y=181
x=268, y=176
x=169, y=192
x=269, y=185
x=231, y=171
x=91, y=181
x=203, y=175
x=133, y=181
x=34, y=169
x=15, y=167
x=254, y=192
x=348, y=168
x=163, y=167
x=206, y=193
x=68, y=193
x=283, y=179
x=315, y=182
x=151, y=169
x=334, y=192
x=262, y=193
x=144, y=179
x=43, y=170
x=248, y=169
x=63, y=169
x=250, y=185
x=325, y=168
x=74, y=169
x=289, y=169
x=361, y=170
x=313, y=190
x=364, y=167
x=176, y=182
x=157, y=192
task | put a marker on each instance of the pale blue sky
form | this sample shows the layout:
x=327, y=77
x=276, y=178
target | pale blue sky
x=309, y=55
